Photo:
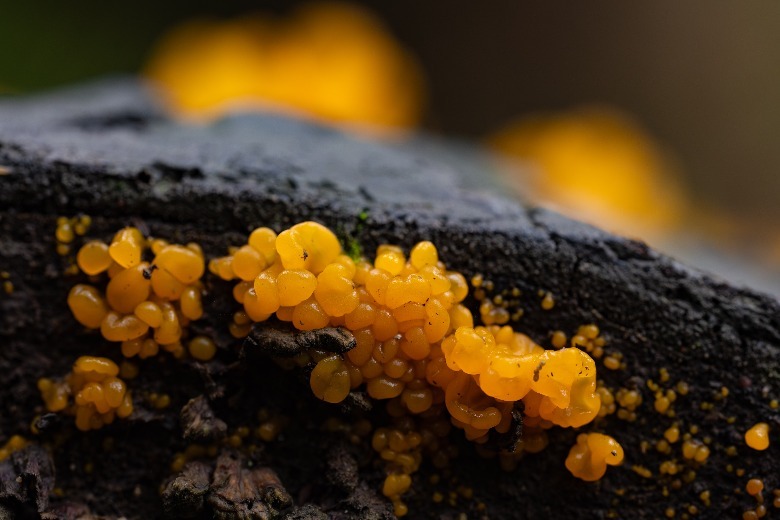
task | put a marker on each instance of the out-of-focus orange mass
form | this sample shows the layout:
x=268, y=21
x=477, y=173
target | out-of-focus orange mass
x=334, y=62
x=598, y=165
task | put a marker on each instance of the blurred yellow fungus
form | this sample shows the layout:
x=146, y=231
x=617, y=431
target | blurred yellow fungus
x=331, y=61
x=14, y=443
x=754, y=486
x=599, y=165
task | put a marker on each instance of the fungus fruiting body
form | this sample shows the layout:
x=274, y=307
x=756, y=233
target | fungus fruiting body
x=588, y=459
x=757, y=437
x=14, y=443
x=145, y=305
x=416, y=343
x=99, y=395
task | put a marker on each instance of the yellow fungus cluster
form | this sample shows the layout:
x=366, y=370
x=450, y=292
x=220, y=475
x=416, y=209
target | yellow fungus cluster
x=498, y=309
x=402, y=453
x=754, y=488
x=68, y=229
x=588, y=338
x=416, y=344
x=416, y=347
x=403, y=446
x=145, y=305
x=99, y=395
x=331, y=61
x=608, y=405
x=693, y=449
x=192, y=452
x=588, y=459
x=557, y=386
x=14, y=443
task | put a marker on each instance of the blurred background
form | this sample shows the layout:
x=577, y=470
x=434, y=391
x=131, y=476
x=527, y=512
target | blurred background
x=657, y=120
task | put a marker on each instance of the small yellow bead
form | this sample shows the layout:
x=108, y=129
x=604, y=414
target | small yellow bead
x=202, y=348
x=424, y=254
x=330, y=380
x=169, y=331
x=166, y=286
x=87, y=306
x=263, y=240
x=64, y=233
x=149, y=312
x=757, y=437
x=182, y=263
x=127, y=247
x=248, y=263
x=116, y=327
x=190, y=303
x=295, y=286
x=129, y=288
x=93, y=258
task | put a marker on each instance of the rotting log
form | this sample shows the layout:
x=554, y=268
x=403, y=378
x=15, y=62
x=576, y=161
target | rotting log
x=105, y=150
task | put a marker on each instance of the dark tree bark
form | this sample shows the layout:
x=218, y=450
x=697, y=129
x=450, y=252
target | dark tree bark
x=106, y=151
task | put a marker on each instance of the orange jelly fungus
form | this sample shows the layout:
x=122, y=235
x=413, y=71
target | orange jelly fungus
x=599, y=165
x=99, y=395
x=145, y=305
x=331, y=61
x=14, y=443
x=416, y=342
x=757, y=437
x=588, y=459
